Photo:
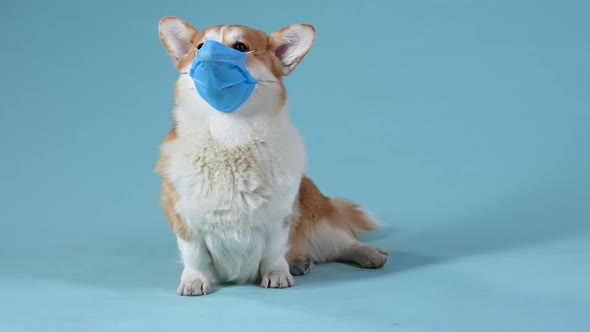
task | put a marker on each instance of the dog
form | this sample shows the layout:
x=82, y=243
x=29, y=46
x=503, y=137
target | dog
x=234, y=188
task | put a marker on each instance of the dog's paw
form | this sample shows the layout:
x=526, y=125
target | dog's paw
x=370, y=257
x=300, y=265
x=277, y=279
x=194, y=287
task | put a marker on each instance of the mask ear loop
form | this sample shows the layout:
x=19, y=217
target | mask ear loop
x=266, y=81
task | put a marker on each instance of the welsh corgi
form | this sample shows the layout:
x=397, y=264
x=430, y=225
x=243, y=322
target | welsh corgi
x=234, y=189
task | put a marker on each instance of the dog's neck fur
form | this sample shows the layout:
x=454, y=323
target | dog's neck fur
x=231, y=130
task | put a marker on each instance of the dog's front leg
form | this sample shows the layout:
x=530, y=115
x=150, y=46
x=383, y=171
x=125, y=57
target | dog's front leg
x=274, y=268
x=196, y=276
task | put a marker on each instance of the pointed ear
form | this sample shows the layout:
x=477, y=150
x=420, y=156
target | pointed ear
x=177, y=37
x=291, y=44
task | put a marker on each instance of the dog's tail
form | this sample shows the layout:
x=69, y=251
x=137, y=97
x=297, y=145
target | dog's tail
x=353, y=216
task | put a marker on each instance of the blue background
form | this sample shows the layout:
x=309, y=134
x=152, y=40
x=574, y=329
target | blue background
x=463, y=124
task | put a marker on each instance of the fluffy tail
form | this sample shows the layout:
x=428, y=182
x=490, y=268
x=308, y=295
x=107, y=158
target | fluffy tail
x=352, y=215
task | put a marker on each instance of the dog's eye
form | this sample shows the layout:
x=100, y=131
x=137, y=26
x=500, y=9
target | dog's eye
x=240, y=47
x=199, y=46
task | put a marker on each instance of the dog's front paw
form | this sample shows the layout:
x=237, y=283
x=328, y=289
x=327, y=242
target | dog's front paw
x=277, y=279
x=194, y=287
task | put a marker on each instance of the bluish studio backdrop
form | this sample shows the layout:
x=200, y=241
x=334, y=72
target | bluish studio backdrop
x=465, y=125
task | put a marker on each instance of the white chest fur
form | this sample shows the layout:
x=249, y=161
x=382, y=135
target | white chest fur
x=235, y=196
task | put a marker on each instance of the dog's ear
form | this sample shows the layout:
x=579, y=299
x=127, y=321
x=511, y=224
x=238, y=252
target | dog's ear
x=291, y=44
x=177, y=37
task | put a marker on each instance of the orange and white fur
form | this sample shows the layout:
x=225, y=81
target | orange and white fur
x=234, y=188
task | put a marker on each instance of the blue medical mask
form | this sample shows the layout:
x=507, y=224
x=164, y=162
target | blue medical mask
x=221, y=77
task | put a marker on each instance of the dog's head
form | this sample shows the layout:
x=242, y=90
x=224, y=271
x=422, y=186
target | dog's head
x=273, y=57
